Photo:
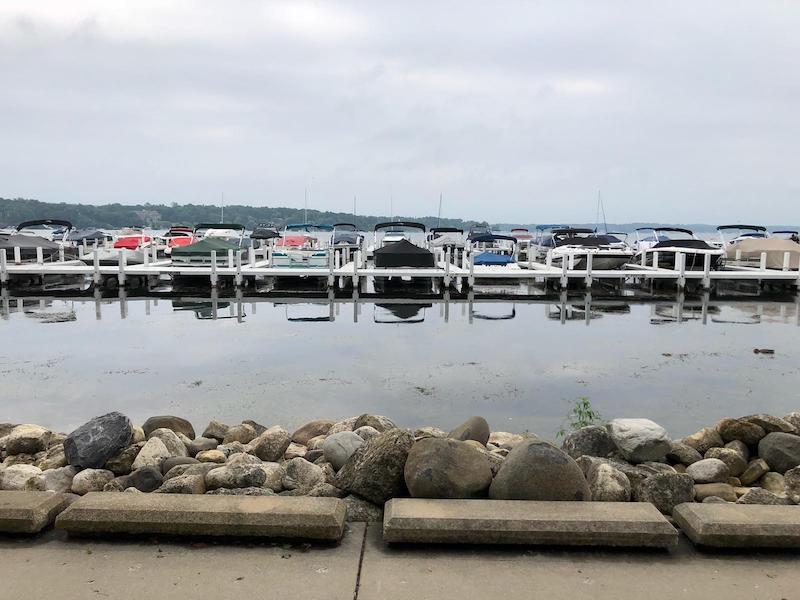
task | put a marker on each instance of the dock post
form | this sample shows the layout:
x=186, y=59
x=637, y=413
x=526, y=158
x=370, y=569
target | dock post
x=564, y=276
x=230, y=258
x=680, y=260
x=471, y=280
x=3, y=267
x=96, y=266
x=271, y=255
x=251, y=256
x=787, y=260
x=123, y=259
x=146, y=258
x=655, y=260
x=214, y=269
x=153, y=252
x=237, y=281
x=587, y=307
x=17, y=255
x=706, y=271
x=738, y=254
x=763, y=263
x=447, y=268
x=39, y=256
x=356, y=265
x=61, y=253
x=331, y=278
x=589, y=257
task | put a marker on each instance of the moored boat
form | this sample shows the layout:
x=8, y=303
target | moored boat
x=668, y=242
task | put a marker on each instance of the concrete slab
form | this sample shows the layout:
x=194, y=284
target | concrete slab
x=53, y=565
x=29, y=512
x=740, y=525
x=273, y=517
x=393, y=572
x=417, y=520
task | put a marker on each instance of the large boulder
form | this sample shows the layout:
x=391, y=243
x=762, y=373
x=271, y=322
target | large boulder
x=592, y=440
x=271, y=445
x=339, y=447
x=474, y=428
x=237, y=476
x=176, y=424
x=702, y=440
x=146, y=479
x=58, y=480
x=639, y=440
x=171, y=440
x=666, y=490
x=792, y=482
x=94, y=442
x=683, y=454
x=755, y=470
x=739, y=429
x=539, y=471
x=446, y=468
x=311, y=430
x=302, y=475
x=770, y=424
x=217, y=430
x=780, y=450
x=708, y=470
x=378, y=422
x=375, y=471
x=733, y=458
x=21, y=477
x=152, y=454
x=91, y=480
x=27, y=439
x=608, y=484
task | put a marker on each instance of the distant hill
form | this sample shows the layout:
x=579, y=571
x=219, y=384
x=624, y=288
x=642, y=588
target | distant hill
x=157, y=216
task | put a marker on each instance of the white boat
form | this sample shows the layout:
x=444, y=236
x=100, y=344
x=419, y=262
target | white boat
x=667, y=242
x=574, y=245
x=300, y=246
x=749, y=245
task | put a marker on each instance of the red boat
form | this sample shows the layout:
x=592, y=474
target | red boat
x=132, y=238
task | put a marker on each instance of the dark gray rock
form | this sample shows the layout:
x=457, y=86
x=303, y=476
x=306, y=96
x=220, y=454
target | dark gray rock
x=737, y=429
x=339, y=447
x=313, y=455
x=446, y=468
x=589, y=441
x=93, y=443
x=666, y=491
x=176, y=424
x=539, y=471
x=739, y=447
x=146, y=479
x=173, y=461
x=375, y=471
x=474, y=428
x=200, y=445
x=683, y=454
x=217, y=430
x=780, y=450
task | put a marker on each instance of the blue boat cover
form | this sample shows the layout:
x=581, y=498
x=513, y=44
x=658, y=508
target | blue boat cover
x=491, y=258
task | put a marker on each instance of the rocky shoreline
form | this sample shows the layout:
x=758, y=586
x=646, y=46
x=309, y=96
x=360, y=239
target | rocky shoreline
x=366, y=460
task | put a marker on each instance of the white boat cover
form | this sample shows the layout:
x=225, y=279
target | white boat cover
x=775, y=248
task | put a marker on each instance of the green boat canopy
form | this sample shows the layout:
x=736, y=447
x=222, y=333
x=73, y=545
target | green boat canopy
x=205, y=247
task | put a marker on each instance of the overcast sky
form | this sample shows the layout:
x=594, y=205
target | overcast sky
x=521, y=112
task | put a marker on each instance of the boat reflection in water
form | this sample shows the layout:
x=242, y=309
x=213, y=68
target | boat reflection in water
x=400, y=313
x=209, y=310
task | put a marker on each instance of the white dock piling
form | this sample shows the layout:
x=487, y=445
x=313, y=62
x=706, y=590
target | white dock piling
x=331, y=277
x=655, y=260
x=17, y=255
x=588, y=279
x=96, y=266
x=230, y=258
x=680, y=260
x=39, y=256
x=153, y=252
x=213, y=268
x=471, y=279
x=123, y=260
x=787, y=260
x=238, y=279
x=564, y=277
x=251, y=256
x=447, y=268
x=706, y=271
x=3, y=267
x=763, y=262
x=61, y=253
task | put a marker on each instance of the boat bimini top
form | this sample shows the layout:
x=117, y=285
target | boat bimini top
x=231, y=231
x=396, y=225
x=441, y=237
x=732, y=234
x=46, y=228
x=346, y=234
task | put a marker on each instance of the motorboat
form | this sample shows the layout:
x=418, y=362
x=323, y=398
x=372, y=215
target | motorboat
x=478, y=231
x=89, y=237
x=787, y=234
x=54, y=230
x=777, y=253
x=524, y=241
x=733, y=234
x=667, y=242
x=23, y=246
x=132, y=238
x=176, y=236
x=300, y=247
x=542, y=241
x=346, y=235
x=395, y=250
x=575, y=245
x=219, y=238
x=493, y=250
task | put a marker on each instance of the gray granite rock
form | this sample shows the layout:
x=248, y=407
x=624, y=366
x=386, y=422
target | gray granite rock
x=94, y=442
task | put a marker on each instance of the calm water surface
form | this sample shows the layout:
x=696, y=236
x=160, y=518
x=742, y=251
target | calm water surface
x=521, y=365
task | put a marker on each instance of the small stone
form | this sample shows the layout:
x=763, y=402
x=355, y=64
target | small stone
x=666, y=491
x=754, y=471
x=233, y=448
x=639, y=440
x=740, y=447
x=736, y=463
x=242, y=458
x=118, y=484
x=197, y=469
x=734, y=481
x=176, y=424
x=683, y=454
x=708, y=470
x=171, y=440
x=326, y=490
x=608, y=484
x=345, y=425
x=146, y=479
x=313, y=455
x=781, y=451
x=721, y=490
x=259, y=428
x=366, y=432
x=302, y=475
x=152, y=454
x=793, y=418
x=271, y=445
x=94, y=442
x=315, y=443
x=238, y=476
x=211, y=456
x=17, y=477
x=761, y=496
x=702, y=440
x=177, y=460
x=378, y=422
x=592, y=440
x=737, y=429
x=474, y=428
x=361, y=510
x=58, y=480
x=91, y=480
x=27, y=439
x=773, y=482
x=184, y=484
x=248, y=491
x=274, y=476
x=791, y=480
x=138, y=435
x=216, y=430
x=122, y=463
x=339, y=447
x=19, y=459
x=200, y=444
x=53, y=458
x=446, y=468
x=295, y=451
x=240, y=433
x=311, y=430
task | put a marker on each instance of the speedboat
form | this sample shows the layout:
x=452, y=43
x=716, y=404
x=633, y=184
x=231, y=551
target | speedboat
x=299, y=247
x=668, y=242
x=493, y=250
x=23, y=246
x=733, y=234
x=395, y=250
x=524, y=240
x=787, y=234
x=478, y=231
x=210, y=237
x=132, y=238
x=745, y=245
x=54, y=230
x=86, y=237
x=346, y=235
x=447, y=238
x=176, y=236
x=575, y=245
x=542, y=241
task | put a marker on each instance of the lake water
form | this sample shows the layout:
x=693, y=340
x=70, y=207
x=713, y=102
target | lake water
x=521, y=364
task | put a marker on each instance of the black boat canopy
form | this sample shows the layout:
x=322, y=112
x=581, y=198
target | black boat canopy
x=391, y=224
x=88, y=235
x=36, y=222
x=751, y=227
x=571, y=231
x=345, y=226
x=218, y=226
x=403, y=254
x=436, y=230
x=681, y=229
x=491, y=237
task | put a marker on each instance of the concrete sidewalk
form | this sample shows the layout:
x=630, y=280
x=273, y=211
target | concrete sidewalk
x=52, y=565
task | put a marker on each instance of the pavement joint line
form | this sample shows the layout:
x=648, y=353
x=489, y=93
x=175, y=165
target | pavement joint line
x=361, y=561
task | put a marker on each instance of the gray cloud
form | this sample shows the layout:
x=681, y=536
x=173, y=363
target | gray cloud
x=515, y=111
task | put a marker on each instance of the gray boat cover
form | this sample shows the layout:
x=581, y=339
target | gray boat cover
x=751, y=249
